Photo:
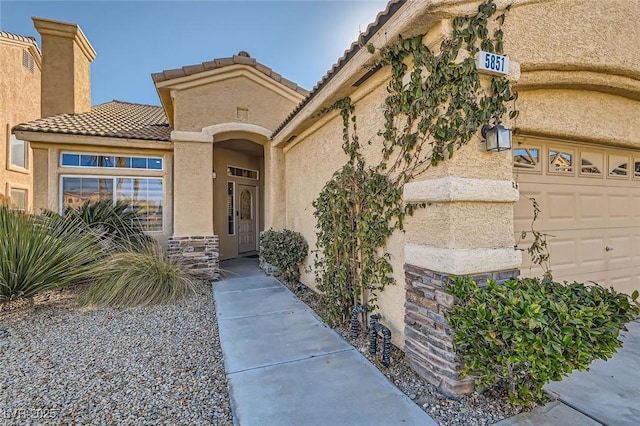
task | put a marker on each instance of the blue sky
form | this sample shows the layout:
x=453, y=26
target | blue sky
x=299, y=39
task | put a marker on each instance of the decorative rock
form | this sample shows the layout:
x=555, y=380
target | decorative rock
x=100, y=366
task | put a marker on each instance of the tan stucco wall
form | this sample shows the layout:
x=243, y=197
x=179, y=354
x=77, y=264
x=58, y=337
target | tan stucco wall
x=193, y=188
x=580, y=69
x=57, y=81
x=66, y=60
x=580, y=115
x=82, y=80
x=47, y=185
x=316, y=153
x=221, y=159
x=275, y=208
x=311, y=161
x=218, y=102
x=570, y=33
x=19, y=103
x=236, y=102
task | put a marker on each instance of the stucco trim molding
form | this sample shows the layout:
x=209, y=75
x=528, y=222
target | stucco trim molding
x=208, y=133
x=612, y=80
x=237, y=127
x=230, y=72
x=458, y=189
x=462, y=261
x=181, y=136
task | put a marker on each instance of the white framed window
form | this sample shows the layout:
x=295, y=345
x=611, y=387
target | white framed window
x=231, y=208
x=242, y=172
x=145, y=193
x=109, y=161
x=18, y=199
x=18, y=153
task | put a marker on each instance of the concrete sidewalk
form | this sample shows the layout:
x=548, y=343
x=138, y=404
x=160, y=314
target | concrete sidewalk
x=285, y=367
x=607, y=394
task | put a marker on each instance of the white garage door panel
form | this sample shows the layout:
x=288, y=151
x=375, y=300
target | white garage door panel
x=586, y=207
x=590, y=207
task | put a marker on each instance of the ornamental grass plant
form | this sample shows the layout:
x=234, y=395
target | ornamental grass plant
x=119, y=222
x=40, y=253
x=138, y=276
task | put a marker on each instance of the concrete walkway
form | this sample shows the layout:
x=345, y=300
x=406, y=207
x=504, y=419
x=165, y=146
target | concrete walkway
x=285, y=367
x=607, y=394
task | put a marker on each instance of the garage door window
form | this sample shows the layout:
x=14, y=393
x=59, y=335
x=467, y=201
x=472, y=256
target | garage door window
x=618, y=166
x=560, y=161
x=527, y=158
x=636, y=168
x=591, y=164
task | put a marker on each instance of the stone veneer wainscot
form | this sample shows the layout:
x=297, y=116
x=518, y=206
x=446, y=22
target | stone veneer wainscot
x=200, y=254
x=428, y=336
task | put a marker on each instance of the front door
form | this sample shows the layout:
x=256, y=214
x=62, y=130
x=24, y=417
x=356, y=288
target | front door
x=247, y=218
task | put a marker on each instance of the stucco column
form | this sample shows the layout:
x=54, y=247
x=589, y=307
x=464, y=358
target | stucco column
x=46, y=180
x=275, y=187
x=40, y=179
x=192, y=188
x=193, y=239
x=466, y=228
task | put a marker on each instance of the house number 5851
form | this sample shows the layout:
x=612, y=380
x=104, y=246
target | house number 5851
x=492, y=63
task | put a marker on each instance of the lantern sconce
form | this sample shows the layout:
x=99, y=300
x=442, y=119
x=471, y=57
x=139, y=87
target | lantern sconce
x=213, y=174
x=498, y=137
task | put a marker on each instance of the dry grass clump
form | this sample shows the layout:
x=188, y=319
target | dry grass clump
x=138, y=276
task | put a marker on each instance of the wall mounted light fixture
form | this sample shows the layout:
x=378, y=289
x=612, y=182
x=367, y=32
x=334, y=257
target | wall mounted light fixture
x=498, y=137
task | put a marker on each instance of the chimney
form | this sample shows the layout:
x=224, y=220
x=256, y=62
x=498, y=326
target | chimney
x=66, y=68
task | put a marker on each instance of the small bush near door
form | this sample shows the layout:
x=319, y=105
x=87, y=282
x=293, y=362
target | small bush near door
x=286, y=250
x=525, y=333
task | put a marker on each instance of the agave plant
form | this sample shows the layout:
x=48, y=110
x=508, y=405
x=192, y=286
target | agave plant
x=138, y=276
x=119, y=222
x=39, y=253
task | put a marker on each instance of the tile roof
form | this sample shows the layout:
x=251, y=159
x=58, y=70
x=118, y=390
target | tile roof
x=381, y=19
x=113, y=119
x=242, y=58
x=17, y=37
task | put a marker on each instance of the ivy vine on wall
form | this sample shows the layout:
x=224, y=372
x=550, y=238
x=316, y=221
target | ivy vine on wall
x=436, y=104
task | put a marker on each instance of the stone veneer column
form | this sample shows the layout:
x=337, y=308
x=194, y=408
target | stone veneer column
x=465, y=229
x=199, y=254
x=428, y=344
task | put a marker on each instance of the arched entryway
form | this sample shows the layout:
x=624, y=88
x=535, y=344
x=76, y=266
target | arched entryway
x=238, y=196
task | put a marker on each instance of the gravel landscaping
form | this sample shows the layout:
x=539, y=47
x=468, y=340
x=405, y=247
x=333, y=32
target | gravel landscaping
x=63, y=364
x=470, y=410
x=157, y=365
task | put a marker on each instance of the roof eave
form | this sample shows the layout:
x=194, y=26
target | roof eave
x=402, y=18
x=105, y=141
x=164, y=94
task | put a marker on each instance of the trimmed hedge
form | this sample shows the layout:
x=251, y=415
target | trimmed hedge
x=524, y=333
x=286, y=250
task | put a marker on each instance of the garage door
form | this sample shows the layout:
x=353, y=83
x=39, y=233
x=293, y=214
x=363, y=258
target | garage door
x=589, y=199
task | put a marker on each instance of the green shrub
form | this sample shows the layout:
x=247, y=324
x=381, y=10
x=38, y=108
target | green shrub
x=119, y=222
x=286, y=250
x=40, y=253
x=138, y=276
x=523, y=334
